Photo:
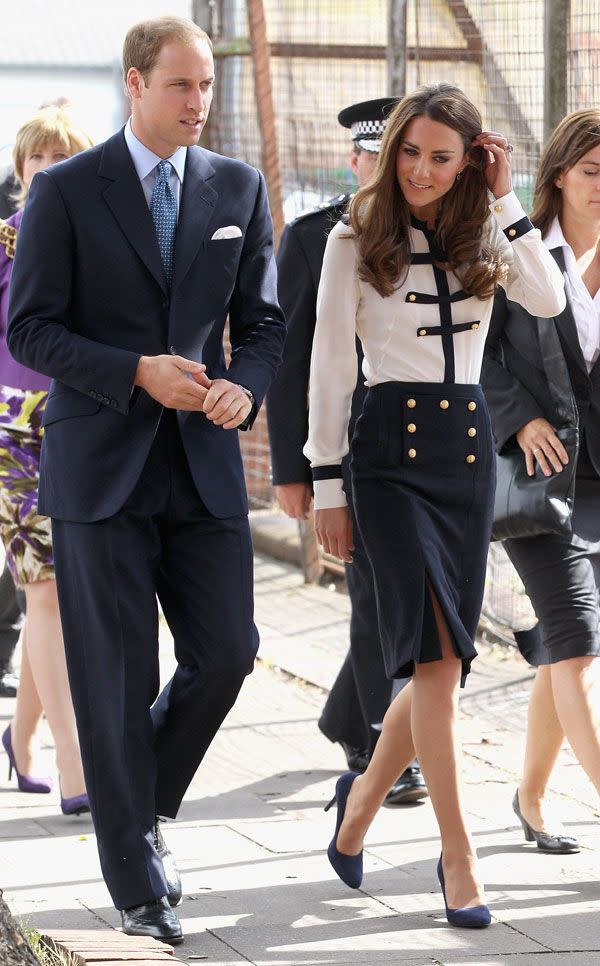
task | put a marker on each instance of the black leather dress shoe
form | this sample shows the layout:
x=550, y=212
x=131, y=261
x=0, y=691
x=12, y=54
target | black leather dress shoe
x=155, y=919
x=410, y=787
x=174, y=895
x=357, y=758
x=9, y=682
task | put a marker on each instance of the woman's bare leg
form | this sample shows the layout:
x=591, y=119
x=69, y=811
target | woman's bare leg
x=576, y=690
x=28, y=712
x=545, y=736
x=49, y=668
x=427, y=711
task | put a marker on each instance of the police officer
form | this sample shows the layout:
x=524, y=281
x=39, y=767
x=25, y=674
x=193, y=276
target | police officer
x=361, y=693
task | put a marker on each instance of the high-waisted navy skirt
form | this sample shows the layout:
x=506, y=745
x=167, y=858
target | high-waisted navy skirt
x=423, y=474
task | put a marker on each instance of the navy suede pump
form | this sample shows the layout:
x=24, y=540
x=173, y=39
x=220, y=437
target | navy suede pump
x=471, y=917
x=348, y=867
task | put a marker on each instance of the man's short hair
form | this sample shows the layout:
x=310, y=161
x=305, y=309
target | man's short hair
x=145, y=40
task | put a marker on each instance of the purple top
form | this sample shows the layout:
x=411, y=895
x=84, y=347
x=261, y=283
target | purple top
x=12, y=373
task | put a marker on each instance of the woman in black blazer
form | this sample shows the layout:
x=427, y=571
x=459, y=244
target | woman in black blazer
x=561, y=574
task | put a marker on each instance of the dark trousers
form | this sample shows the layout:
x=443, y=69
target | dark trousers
x=140, y=749
x=12, y=608
x=361, y=693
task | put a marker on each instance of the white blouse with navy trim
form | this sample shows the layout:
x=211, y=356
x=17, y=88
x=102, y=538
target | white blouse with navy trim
x=428, y=330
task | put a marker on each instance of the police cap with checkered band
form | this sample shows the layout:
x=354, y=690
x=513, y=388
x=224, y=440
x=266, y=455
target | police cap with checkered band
x=367, y=121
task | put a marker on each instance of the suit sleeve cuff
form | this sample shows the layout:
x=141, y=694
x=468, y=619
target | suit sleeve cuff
x=328, y=494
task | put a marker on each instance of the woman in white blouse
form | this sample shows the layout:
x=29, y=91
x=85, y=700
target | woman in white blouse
x=561, y=573
x=413, y=275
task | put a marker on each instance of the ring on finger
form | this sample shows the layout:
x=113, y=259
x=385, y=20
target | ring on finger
x=536, y=451
x=509, y=148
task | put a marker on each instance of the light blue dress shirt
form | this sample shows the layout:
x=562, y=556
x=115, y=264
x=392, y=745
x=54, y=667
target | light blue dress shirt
x=145, y=161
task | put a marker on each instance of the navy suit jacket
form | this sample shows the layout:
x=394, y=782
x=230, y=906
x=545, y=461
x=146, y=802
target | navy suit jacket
x=89, y=297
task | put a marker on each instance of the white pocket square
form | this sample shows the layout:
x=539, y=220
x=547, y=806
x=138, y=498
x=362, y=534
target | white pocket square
x=232, y=231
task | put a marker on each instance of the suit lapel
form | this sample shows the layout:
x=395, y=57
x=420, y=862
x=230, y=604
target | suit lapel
x=125, y=198
x=197, y=204
x=567, y=327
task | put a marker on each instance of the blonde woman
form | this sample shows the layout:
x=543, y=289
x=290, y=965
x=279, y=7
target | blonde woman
x=47, y=138
x=413, y=275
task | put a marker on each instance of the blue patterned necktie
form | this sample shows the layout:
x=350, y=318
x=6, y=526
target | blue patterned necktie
x=164, y=214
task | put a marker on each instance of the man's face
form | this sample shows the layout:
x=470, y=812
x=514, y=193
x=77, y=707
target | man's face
x=170, y=107
x=363, y=164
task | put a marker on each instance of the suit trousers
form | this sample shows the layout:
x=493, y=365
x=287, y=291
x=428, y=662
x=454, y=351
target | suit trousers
x=361, y=693
x=140, y=749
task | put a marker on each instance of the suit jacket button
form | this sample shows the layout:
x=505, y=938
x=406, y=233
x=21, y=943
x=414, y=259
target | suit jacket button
x=411, y=428
x=471, y=431
x=444, y=404
x=412, y=453
x=472, y=406
x=411, y=403
x=470, y=458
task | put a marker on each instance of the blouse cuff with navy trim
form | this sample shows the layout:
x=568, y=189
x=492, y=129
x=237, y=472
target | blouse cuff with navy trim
x=508, y=212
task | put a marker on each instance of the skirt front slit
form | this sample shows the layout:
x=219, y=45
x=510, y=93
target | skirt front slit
x=423, y=477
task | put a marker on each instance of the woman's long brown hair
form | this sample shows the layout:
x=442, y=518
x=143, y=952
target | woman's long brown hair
x=380, y=217
x=576, y=134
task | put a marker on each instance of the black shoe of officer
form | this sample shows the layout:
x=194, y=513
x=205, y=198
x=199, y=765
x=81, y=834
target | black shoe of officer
x=174, y=895
x=155, y=919
x=410, y=787
x=9, y=682
x=357, y=758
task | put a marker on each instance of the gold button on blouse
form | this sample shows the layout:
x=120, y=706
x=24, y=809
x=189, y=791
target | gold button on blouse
x=498, y=208
x=471, y=431
x=411, y=403
x=470, y=458
x=475, y=325
x=472, y=406
x=411, y=428
x=412, y=297
x=422, y=332
x=444, y=404
x=512, y=232
x=412, y=453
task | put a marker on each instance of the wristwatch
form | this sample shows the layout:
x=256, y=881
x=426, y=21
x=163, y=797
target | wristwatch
x=248, y=420
x=248, y=393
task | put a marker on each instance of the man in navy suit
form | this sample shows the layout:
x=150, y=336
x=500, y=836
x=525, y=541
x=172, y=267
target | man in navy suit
x=130, y=258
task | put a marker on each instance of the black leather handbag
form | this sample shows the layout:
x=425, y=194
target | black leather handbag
x=527, y=506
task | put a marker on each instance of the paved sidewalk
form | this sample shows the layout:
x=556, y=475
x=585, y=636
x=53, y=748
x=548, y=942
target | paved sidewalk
x=251, y=837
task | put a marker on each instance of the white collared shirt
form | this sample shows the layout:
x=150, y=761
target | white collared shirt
x=586, y=310
x=145, y=161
